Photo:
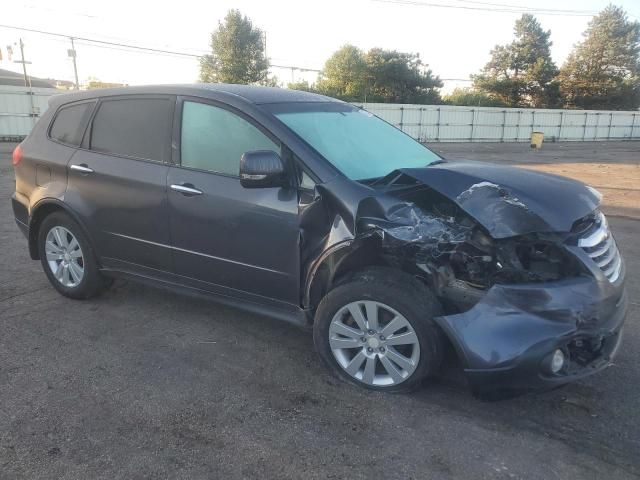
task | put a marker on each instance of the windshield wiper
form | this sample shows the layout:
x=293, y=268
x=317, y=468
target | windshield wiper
x=392, y=177
x=387, y=180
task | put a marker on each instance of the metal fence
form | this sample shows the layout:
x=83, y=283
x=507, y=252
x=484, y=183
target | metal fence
x=20, y=107
x=445, y=123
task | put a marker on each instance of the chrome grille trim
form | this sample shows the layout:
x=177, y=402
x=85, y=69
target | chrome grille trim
x=597, y=236
x=604, y=249
x=599, y=244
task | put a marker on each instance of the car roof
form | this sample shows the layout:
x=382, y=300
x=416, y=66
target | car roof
x=257, y=95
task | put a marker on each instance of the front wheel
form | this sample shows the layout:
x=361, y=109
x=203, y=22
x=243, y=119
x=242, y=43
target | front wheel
x=377, y=331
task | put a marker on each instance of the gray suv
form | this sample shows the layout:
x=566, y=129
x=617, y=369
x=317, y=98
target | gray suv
x=311, y=210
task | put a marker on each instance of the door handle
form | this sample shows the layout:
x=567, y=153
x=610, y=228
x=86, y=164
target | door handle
x=82, y=168
x=186, y=190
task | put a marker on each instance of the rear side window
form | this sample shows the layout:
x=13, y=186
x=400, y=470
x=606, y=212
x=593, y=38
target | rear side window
x=136, y=127
x=214, y=139
x=70, y=122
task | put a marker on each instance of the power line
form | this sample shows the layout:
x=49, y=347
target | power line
x=302, y=69
x=127, y=46
x=511, y=9
x=532, y=9
x=103, y=42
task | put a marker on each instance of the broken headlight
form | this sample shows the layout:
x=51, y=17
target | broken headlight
x=534, y=258
x=482, y=262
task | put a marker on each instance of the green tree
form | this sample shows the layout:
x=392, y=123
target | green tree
x=471, y=97
x=396, y=77
x=237, y=53
x=522, y=73
x=344, y=74
x=302, y=85
x=603, y=71
x=377, y=76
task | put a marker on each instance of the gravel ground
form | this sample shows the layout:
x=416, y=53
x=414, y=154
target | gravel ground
x=141, y=383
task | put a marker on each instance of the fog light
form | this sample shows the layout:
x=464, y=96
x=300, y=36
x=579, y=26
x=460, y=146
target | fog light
x=557, y=361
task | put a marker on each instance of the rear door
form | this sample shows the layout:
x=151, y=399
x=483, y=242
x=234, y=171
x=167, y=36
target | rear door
x=117, y=182
x=229, y=239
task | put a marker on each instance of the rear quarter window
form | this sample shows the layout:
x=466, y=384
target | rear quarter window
x=136, y=127
x=70, y=122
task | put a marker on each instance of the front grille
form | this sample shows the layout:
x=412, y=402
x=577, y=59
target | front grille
x=597, y=241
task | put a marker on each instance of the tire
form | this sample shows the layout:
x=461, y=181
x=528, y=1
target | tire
x=59, y=227
x=394, y=294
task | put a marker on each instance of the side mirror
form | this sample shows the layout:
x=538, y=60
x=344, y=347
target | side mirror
x=261, y=169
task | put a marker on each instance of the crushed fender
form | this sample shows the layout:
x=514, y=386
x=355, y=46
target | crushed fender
x=437, y=237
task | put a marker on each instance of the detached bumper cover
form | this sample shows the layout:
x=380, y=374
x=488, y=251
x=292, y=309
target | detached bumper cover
x=504, y=339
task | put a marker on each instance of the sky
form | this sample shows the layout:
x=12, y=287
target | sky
x=454, y=42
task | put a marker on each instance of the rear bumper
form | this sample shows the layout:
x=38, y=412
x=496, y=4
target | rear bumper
x=21, y=214
x=505, y=340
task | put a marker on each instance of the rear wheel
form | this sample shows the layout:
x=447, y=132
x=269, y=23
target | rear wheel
x=67, y=257
x=377, y=331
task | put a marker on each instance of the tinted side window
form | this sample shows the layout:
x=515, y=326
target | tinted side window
x=136, y=127
x=214, y=139
x=70, y=122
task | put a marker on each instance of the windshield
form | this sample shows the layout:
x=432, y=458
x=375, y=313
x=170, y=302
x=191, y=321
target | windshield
x=356, y=142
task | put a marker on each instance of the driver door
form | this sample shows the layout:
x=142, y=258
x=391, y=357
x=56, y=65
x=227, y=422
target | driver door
x=228, y=239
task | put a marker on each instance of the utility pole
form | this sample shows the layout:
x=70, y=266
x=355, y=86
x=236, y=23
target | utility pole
x=72, y=54
x=264, y=44
x=27, y=80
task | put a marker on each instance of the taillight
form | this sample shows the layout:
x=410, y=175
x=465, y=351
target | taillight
x=17, y=155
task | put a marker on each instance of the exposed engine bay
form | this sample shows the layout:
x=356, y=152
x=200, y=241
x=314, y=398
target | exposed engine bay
x=460, y=259
x=431, y=235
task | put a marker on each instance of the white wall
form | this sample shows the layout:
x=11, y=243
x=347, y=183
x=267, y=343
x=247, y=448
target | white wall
x=16, y=114
x=427, y=123
x=445, y=123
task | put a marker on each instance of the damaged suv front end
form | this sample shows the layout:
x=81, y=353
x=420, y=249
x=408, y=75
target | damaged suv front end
x=556, y=320
x=532, y=287
x=523, y=263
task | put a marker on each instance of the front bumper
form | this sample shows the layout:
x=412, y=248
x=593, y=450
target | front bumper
x=505, y=339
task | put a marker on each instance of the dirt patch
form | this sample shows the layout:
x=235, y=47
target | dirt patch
x=611, y=167
x=618, y=183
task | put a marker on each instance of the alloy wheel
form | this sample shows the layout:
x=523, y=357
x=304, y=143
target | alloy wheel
x=64, y=256
x=374, y=343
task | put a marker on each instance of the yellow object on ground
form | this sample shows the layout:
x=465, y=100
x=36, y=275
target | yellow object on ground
x=536, y=139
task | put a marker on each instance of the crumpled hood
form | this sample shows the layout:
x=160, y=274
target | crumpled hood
x=509, y=201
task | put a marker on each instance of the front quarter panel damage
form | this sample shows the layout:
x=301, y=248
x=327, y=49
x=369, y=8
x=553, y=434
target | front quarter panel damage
x=420, y=230
x=377, y=227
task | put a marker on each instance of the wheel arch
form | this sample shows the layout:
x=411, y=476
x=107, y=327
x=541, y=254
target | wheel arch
x=336, y=265
x=39, y=212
